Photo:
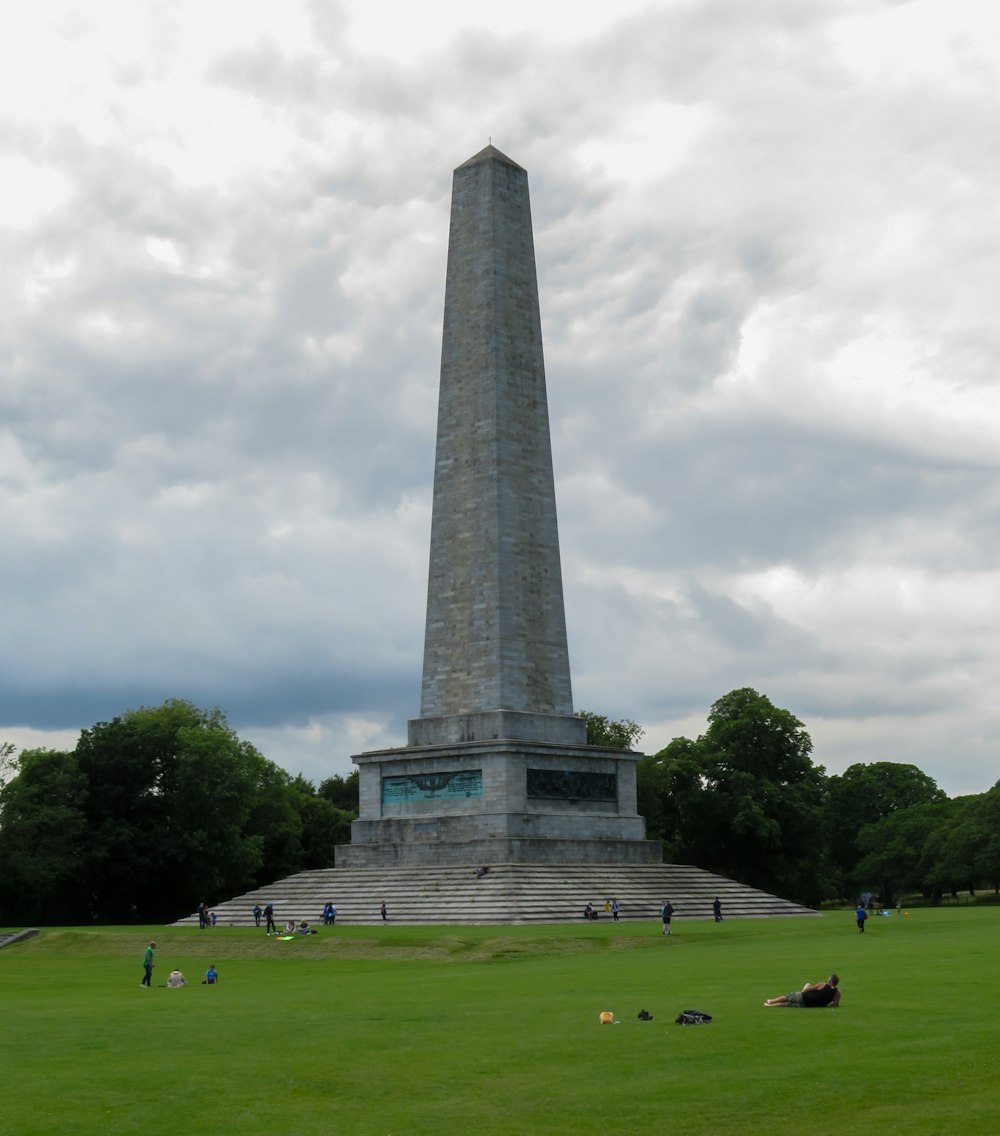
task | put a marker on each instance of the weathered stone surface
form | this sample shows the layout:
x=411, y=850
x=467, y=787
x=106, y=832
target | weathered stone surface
x=517, y=891
x=497, y=769
x=495, y=636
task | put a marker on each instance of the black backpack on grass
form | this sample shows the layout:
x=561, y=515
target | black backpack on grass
x=692, y=1018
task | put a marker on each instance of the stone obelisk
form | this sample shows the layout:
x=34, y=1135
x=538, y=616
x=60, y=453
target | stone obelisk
x=496, y=662
x=496, y=768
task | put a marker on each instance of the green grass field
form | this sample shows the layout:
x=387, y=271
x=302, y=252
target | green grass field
x=487, y=1030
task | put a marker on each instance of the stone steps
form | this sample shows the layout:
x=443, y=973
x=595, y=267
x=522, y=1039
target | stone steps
x=509, y=894
x=8, y=938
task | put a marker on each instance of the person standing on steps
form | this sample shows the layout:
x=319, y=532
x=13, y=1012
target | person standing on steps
x=717, y=909
x=147, y=965
x=614, y=910
x=666, y=912
x=385, y=914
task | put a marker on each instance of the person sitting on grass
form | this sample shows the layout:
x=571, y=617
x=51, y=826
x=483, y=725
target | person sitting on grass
x=813, y=995
x=211, y=975
x=175, y=980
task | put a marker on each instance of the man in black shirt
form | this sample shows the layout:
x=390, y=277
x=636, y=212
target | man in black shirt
x=813, y=995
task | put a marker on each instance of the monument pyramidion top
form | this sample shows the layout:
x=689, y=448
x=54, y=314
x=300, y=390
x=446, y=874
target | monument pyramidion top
x=489, y=153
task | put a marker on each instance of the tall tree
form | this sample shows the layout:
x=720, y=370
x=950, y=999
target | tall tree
x=41, y=830
x=170, y=795
x=745, y=799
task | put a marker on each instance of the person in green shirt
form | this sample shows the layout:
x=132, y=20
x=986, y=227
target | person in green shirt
x=147, y=965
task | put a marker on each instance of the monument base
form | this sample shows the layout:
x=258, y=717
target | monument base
x=497, y=802
x=433, y=852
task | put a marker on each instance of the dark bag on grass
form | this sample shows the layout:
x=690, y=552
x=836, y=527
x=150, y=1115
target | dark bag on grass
x=692, y=1018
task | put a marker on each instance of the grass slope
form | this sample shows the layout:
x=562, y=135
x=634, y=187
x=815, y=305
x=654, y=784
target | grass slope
x=486, y=1030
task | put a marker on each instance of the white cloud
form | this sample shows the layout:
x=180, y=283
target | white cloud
x=28, y=191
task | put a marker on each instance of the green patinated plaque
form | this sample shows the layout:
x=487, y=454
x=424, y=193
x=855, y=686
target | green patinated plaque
x=566, y=785
x=432, y=786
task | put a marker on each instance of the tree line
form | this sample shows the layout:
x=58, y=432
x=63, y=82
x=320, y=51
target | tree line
x=163, y=807
x=151, y=813
x=746, y=801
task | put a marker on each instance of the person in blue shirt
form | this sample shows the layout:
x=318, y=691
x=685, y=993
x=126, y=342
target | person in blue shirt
x=666, y=914
x=211, y=975
x=861, y=915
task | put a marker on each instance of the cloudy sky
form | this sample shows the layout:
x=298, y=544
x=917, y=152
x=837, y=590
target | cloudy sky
x=768, y=244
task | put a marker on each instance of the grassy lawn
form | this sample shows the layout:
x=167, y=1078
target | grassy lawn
x=487, y=1030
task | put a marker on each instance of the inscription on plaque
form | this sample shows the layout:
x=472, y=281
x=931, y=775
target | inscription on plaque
x=567, y=785
x=432, y=786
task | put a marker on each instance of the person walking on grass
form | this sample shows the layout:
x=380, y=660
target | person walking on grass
x=147, y=965
x=666, y=913
x=861, y=914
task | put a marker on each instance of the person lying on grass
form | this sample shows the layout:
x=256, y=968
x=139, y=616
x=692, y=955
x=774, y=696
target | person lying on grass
x=814, y=994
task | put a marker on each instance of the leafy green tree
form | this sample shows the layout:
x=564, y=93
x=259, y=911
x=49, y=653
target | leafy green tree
x=949, y=860
x=171, y=793
x=898, y=852
x=154, y=811
x=342, y=791
x=984, y=821
x=745, y=799
x=966, y=853
x=670, y=796
x=276, y=820
x=602, y=731
x=324, y=825
x=862, y=795
x=41, y=829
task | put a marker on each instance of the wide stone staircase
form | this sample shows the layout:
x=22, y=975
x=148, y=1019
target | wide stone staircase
x=509, y=893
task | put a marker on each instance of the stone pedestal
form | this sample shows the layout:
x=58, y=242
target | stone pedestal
x=497, y=801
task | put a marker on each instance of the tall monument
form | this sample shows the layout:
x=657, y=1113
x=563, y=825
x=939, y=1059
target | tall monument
x=496, y=769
